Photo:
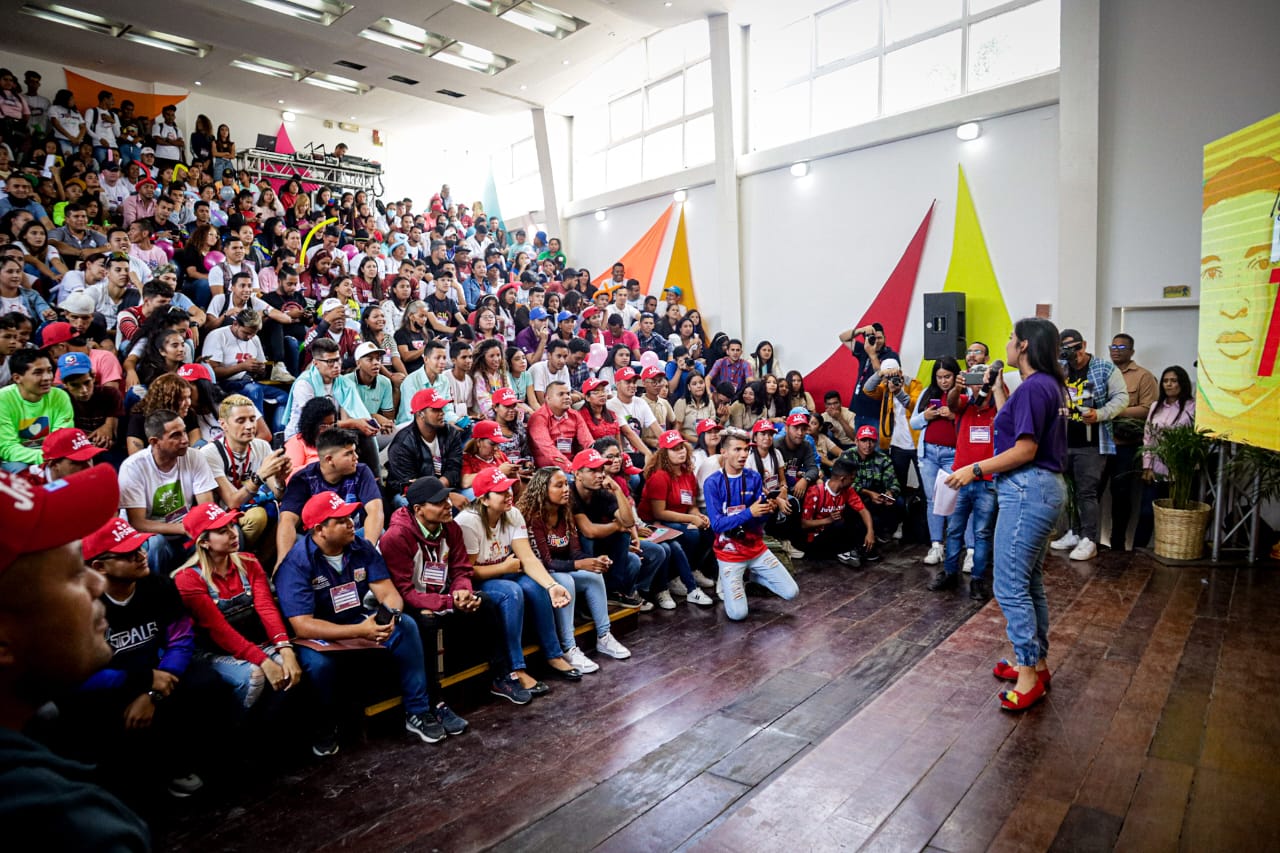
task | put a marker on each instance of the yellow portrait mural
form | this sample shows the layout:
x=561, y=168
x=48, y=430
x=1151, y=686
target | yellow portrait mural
x=1237, y=381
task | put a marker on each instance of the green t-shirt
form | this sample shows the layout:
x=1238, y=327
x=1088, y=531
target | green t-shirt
x=25, y=425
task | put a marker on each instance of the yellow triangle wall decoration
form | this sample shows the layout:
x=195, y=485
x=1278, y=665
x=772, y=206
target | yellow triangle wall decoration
x=679, y=271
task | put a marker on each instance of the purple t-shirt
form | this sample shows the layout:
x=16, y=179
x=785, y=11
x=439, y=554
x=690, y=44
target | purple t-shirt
x=1034, y=409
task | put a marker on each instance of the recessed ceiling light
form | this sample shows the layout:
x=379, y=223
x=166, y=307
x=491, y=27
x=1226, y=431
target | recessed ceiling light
x=281, y=101
x=353, y=118
x=667, y=4
x=287, y=115
x=323, y=12
x=681, y=195
x=523, y=87
x=968, y=131
x=601, y=215
x=398, y=34
x=334, y=83
x=799, y=170
x=472, y=58
x=564, y=62
x=532, y=15
x=198, y=83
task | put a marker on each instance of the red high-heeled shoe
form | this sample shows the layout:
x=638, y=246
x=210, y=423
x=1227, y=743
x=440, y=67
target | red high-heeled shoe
x=1006, y=671
x=1012, y=700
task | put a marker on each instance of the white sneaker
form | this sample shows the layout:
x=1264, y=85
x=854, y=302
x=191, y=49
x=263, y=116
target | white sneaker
x=968, y=562
x=184, y=786
x=665, y=601
x=1086, y=550
x=280, y=373
x=1066, y=543
x=676, y=587
x=897, y=534
x=700, y=597
x=702, y=580
x=935, y=555
x=581, y=662
x=607, y=645
x=792, y=551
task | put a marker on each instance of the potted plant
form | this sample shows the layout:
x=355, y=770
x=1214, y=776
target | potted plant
x=1257, y=471
x=1180, y=522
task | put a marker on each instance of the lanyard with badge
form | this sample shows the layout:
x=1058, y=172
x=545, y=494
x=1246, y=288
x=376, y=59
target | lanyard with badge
x=433, y=570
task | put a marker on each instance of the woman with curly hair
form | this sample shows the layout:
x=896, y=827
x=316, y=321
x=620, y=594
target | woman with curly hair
x=489, y=374
x=554, y=538
x=168, y=391
x=670, y=498
x=317, y=415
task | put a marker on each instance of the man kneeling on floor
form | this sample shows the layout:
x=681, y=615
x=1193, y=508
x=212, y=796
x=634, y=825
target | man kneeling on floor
x=738, y=509
x=322, y=585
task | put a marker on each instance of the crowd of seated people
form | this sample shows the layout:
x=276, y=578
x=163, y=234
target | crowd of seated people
x=422, y=420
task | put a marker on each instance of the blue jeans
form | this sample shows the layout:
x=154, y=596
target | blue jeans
x=129, y=153
x=260, y=394
x=582, y=585
x=405, y=645
x=764, y=570
x=975, y=509
x=197, y=290
x=165, y=553
x=1031, y=501
x=509, y=599
x=100, y=153
x=630, y=572
x=936, y=458
x=693, y=542
x=14, y=467
x=221, y=164
x=537, y=600
x=247, y=680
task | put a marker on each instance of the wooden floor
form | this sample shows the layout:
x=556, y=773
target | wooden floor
x=859, y=716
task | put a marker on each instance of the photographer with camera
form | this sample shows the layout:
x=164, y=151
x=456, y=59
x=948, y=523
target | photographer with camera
x=1096, y=395
x=870, y=352
x=897, y=394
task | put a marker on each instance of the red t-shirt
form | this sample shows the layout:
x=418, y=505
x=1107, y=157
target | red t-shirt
x=472, y=464
x=208, y=618
x=975, y=434
x=820, y=503
x=680, y=493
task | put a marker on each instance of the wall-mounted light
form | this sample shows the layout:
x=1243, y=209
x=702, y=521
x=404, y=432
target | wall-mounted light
x=288, y=116
x=681, y=195
x=601, y=215
x=969, y=131
x=799, y=170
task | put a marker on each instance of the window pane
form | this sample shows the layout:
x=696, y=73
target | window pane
x=699, y=141
x=780, y=56
x=588, y=176
x=906, y=18
x=697, y=88
x=663, y=152
x=591, y=129
x=524, y=158
x=848, y=30
x=500, y=163
x=624, y=117
x=846, y=97
x=1014, y=45
x=524, y=195
x=977, y=7
x=672, y=49
x=624, y=72
x=666, y=102
x=923, y=73
x=780, y=117
x=624, y=165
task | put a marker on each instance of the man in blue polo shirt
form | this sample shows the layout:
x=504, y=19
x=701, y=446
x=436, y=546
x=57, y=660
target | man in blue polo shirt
x=322, y=585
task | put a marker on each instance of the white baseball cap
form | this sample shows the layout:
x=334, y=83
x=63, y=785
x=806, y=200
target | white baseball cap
x=366, y=348
x=330, y=304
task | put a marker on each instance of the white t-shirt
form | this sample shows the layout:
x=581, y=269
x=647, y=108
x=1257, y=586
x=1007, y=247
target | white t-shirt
x=9, y=304
x=628, y=313
x=169, y=132
x=102, y=127
x=103, y=303
x=225, y=348
x=637, y=413
x=68, y=118
x=218, y=278
x=165, y=496
x=703, y=467
x=116, y=193
x=542, y=376
x=767, y=467
x=463, y=391
x=259, y=450
x=494, y=547
x=218, y=305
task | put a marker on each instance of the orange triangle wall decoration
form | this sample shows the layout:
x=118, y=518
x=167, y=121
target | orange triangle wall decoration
x=642, y=258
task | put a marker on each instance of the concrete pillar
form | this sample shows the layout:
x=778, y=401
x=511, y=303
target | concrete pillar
x=1078, y=175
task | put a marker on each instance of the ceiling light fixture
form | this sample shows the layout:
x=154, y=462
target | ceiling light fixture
x=473, y=58
x=287, y=115
x=198, y=83
x=270, y=68
x=681, y=195
x=969, y=131
x=164, y=41
x=334, y=83
x=531, y=15
x=323, y=12
x=564, y=62
x=799, y=170
x=398, y=34
x=281, y=101
x=601, y=215
x=69, y=17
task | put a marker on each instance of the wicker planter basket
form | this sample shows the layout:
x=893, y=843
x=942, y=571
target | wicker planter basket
x=1179, y=533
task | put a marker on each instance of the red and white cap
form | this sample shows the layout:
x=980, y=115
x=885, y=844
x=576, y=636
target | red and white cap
x=206, y=517
x=797, y=419
x=624, y=374
x=670, y=439
x=590, y=311
x=592, y=384
x=192, y=372
x=867, y=432
x=589, y=458
x=324, y=506
x=37, y=518
x=707, y=425
x=117, y=536
x=487, y=429
x=763, y=425
x=427, y=398
x=491, y=480
x=652, y=372
x=69, y=443
x=505, y=397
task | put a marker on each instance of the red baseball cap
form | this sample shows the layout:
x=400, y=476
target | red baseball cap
x=206, y=517
x=117, y=536
x=624, y=374
x=763, y=425
x=707, y=425
x=69, y=443
x=487, y=429
x=324, y=506
x=589, y=458
x=505, y=397
x=427, y=398
x=653, y=373
x=491, y=480
x=798, y=419
x=866, y=432
x=671, y=438
x=56, y=333
x=37, y=518
x=592, y=384
x=590, y=312
x=508, y=286
x=192, y=372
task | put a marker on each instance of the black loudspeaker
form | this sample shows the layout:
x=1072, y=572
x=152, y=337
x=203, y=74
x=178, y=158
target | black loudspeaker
x=944, y=325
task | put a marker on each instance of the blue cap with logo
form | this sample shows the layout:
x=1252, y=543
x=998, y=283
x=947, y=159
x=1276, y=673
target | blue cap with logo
x=538, y=313
x=74, y=364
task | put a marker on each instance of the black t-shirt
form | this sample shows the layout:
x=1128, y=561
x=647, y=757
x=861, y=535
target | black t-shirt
x=415, y=341
x=600, y=508
x=436, y=268
x=1078, y=432
x=276, y=301
x=139, y=628
x=90, y=415
x=444, y=309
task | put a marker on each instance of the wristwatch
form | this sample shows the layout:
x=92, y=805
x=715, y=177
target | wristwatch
x=977, y=470
x=156, y=696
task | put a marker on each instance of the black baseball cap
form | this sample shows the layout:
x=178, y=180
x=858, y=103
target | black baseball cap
x=427, y=490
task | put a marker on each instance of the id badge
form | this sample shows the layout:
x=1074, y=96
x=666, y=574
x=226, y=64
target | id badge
x=433, y=574
x=686, y=497
x=344, y=597
x=979, y=435
x=564, y=445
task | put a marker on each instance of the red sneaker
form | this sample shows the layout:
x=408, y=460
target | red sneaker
x=1012, y=700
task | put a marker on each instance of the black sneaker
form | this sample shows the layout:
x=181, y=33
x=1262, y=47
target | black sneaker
x=325, y=745
x=540, y=688
x=870, y=555
x=980, y=589
x=453, y=724
x=850, y=559
x=427, y=728
x=625, y=599
x=942, y=581
x=509, y=688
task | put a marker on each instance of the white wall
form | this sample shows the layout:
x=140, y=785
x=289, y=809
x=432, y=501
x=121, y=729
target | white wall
x=816, y=250
x=1176, y=74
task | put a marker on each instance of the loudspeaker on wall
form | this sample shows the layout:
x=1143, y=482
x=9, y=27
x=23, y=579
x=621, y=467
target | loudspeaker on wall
x=944, y=325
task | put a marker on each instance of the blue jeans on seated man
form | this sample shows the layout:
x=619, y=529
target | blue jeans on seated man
x=166, y=552
x=975, y=510
x=630, y=572
x=764, y=570
x=405, y=645
x=583, y=586
x=1031, y=501
x=533, y=599
x=15, y=467
x=261, y=394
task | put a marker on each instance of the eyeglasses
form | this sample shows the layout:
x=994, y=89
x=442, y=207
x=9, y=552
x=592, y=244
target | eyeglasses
x=326, y=360
x=1119, y=347
x=975, y=351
